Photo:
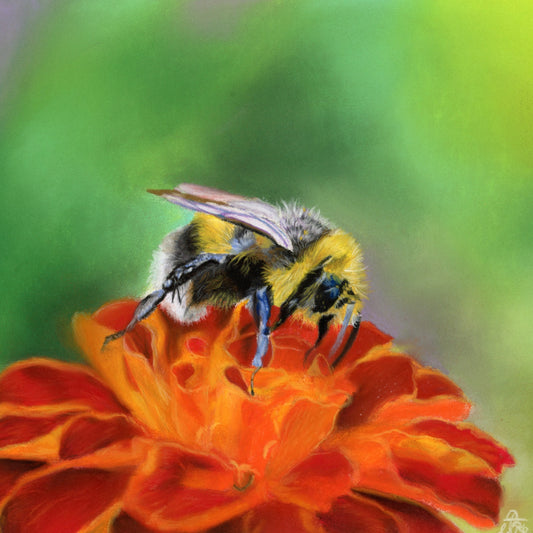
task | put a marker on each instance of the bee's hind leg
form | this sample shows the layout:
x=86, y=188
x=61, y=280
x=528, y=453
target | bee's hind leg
x=262, y=304
x=178, y=276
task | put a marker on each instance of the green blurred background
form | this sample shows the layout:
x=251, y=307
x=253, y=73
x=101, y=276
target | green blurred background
x=408, y=123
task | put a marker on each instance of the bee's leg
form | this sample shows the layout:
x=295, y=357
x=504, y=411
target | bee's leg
x=261, y=310
x=180, y=275
x=345, y=323
x=323, y=326
x=143, y=309
x=350, y=340
x=183, y=273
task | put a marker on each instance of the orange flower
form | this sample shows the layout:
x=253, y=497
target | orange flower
x=163, y=435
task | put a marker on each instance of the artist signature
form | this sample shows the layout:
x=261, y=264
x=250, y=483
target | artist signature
x=512, y=523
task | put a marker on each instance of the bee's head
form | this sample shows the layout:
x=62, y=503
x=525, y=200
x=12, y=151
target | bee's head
x=326, y=277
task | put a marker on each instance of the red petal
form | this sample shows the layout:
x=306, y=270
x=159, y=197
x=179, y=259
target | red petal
x=88, y=434
x=273, y=517
x=17, y=429
x=357, y=515
x=317, y=481
x=467, y=437
x=184, y=490
x=431, y=383
x=11, y=470
x=42, y=382
x=124, y=523
x=116, y=315
x=415, y=519
x=62, y=501
x=368, y=337
x=233, y=375
x=377, y=382
x=362, y=514
x=290, y=347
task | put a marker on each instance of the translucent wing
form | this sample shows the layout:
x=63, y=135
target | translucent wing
x=252, y=213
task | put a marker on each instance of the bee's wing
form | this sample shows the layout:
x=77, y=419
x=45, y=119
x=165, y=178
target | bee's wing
x=252, y=213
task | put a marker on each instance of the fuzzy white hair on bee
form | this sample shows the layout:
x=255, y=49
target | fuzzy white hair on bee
x=244, y=249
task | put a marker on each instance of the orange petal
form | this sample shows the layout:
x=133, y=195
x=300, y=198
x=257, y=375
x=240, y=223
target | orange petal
x=63, y=501
x=243, y=429
x=37, y=382
x=404, y=410
x=303, y=428
x=435, y=396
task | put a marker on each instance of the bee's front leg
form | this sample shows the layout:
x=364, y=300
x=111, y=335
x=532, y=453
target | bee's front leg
x=262, y=304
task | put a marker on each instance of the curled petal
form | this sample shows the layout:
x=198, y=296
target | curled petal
x=377, y=382
x=11, y=470
x=466, y=437
x=176, y=489
x=451, y=479
x=129, y=374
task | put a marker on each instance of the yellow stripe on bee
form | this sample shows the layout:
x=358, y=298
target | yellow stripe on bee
x=213, y=234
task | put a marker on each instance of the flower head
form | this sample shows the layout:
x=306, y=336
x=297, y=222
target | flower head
x=162, y=434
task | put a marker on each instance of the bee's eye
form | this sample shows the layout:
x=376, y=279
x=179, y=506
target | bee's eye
x=327, y=294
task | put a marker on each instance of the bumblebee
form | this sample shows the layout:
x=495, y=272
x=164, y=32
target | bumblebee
x=237, y=248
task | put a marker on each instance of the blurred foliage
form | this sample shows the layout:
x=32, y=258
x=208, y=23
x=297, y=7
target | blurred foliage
x=408, y=123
